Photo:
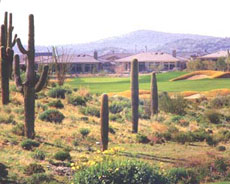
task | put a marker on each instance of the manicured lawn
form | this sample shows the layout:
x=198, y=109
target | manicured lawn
x=118, y=84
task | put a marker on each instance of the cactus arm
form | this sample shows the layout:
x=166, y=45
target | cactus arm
x=42, y=80
x=17, y=77
x=20, y=47
x=3, y=38
x=10, y=58
x=6, y=27
x=15, y=40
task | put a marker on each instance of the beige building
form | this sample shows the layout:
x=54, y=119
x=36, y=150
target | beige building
x=152, y=61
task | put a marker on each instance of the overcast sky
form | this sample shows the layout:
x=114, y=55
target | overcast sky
x=79, y=21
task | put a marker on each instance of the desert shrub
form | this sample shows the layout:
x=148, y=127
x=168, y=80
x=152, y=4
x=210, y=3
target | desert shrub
x=41, y=178
x=199, y=135
x=118, y=106
x=172, y=129
x=223, y=135
x=76, y=100
x=19, y=110
x=182, y=175
x=28, y=144
x=117, y=172
x=182, y=137
x=39, y=105
x=3, y=171
x=90, y=110
x=6, y=119
x=220, y=165
x=75, y=142
x=221, y=148
x=52, y=115
x=57, y=104
x=58, y=92
x=211, y=141
x=142, y=138
x=167, y=136
x=176, y=118
x=143, y=114
x=38, y=155
x=62, y=155
x=213, y=116
x=112, y=130
x=175, y=105
x=216, y=102
x=18, y=129
x=33, y=168
x=84, y=132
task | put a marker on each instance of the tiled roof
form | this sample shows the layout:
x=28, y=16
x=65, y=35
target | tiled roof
x=114, y=56
x=215, y=55
x=81, y=58
x=151, y=57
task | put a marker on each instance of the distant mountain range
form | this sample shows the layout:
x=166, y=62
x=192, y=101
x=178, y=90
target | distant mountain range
x=142, y=40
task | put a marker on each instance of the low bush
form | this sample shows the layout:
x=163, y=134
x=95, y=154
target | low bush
x=29, y=144
x=90, y=110
x=199, y=135
x=119, y=172
x=84, y=132
x=6, y=119
x=182, y=137
x=52, y=115
x=117, y=106
x=221, y=165
x=220, y=101
x=41, y=178
x=115, y=117
x=175, y=105
x=58, y=92
x=33, y=168
x=18, y=129
x=39, y=155
x=112, y=130
x=211, y=141
x=62, y=155
x=3, y=171
x=221, y=148
x=41, y=106
x=182, y=175
x=57, y=104
x=213, y=116
x=223, y=135
x=76, y=100
x=142, y=138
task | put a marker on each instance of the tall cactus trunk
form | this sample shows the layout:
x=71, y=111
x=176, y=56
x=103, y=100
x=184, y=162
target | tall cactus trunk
x=104, y=122
x=154, y=95
x=134, y=94
x=4, y=77
x=4, y=68
x=29, y=106
x=29, y=91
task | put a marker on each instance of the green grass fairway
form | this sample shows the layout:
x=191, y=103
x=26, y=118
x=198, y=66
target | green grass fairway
x=109, y=84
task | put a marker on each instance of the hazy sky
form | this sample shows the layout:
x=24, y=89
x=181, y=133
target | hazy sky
x=79, y=21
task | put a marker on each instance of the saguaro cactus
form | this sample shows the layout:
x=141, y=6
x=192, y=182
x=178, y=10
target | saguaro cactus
x=7, y=55
x=31, y=84
x=154, y=94
x=10, y=43
x=104, y=122
x=134, y=94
